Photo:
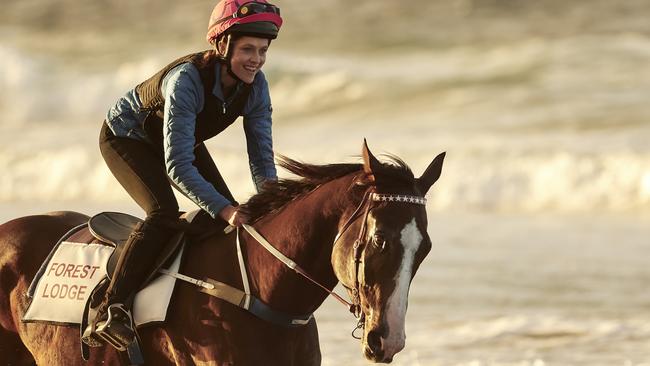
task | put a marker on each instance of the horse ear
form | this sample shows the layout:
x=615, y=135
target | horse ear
x=370, y=163
x=430, y=175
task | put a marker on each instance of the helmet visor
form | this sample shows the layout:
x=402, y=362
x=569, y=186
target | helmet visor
x=251, y=8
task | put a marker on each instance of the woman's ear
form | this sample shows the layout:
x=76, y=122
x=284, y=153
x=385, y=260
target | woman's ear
x=221, y=45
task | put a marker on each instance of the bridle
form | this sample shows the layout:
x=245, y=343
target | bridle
x=369, y=198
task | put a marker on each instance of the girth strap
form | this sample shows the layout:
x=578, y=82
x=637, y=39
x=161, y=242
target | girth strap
x=254, y=305
x=225, y=292
x=245, y=301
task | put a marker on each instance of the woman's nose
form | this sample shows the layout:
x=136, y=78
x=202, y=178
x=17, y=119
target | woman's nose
x=257, y=58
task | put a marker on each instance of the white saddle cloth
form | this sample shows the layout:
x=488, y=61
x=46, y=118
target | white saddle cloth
x=73, y=272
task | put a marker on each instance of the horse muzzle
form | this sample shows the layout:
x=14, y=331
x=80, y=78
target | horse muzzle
x=377, y=347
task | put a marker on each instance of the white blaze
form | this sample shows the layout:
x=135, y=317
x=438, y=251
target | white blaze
x=396, y=307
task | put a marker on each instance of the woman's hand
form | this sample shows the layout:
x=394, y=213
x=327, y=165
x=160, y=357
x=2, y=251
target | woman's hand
x=233, y=216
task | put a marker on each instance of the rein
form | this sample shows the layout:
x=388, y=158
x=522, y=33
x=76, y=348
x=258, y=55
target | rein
x=289, y=263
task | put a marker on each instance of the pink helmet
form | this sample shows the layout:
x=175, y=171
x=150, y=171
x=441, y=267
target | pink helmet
x=258, y=18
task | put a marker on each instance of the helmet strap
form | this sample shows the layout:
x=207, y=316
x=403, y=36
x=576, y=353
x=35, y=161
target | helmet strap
x=226, y=55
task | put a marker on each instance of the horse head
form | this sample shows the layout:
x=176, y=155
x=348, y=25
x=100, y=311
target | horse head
x=380, y=247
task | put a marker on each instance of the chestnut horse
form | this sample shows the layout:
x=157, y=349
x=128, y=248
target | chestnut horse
x=363, y=225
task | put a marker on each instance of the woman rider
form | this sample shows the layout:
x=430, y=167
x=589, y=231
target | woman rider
x=153, y=138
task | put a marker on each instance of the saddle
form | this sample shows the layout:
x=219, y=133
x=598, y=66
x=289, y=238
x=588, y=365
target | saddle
x=114, y=229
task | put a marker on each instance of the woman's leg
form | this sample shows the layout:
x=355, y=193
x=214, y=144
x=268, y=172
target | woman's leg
x=139, y=169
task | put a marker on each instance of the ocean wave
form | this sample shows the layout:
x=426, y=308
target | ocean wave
x=37, y=90
x=530, y=84
x=471, y=180
x=557, y=181
x=521, y=129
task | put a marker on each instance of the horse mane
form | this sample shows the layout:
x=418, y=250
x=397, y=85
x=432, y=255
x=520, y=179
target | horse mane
x=274, y=195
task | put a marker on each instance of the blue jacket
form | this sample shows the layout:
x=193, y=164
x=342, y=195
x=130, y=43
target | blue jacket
x=184, y=99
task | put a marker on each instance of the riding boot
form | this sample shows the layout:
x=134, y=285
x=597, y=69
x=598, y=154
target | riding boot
x=132, y=269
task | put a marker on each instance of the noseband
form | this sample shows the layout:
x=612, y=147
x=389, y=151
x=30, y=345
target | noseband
x=369, y=198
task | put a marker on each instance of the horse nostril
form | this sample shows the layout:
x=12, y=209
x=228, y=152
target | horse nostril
x=374, y=340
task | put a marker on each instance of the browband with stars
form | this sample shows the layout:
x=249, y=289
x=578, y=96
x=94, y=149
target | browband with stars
x=398, y=198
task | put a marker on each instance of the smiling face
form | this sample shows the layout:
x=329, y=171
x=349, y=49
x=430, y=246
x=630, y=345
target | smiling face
x=248, y=54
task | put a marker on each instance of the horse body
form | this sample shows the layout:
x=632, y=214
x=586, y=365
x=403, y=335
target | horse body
x=316, y=225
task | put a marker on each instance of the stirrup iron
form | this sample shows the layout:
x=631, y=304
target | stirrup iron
x=90, y=338
x=117, y=330
x=89, y=335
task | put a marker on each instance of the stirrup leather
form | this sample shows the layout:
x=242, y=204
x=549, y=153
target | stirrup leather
x=117, y=330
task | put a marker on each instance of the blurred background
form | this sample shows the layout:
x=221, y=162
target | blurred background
x=540, y=221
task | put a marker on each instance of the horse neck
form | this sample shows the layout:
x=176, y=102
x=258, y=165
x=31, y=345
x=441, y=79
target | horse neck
x=304, y=230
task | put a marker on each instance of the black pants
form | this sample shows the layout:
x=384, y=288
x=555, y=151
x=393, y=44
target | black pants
x=140, y=169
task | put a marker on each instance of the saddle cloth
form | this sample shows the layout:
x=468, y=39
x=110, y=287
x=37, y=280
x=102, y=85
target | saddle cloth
x=61, y=289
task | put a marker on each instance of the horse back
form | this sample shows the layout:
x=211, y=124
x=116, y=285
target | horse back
x=25, y=242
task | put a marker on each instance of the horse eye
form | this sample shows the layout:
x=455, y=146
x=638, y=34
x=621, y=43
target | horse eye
x=379, y=241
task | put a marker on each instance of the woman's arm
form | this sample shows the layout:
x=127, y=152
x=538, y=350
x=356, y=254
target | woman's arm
x=257, y=126
x=183, y=92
